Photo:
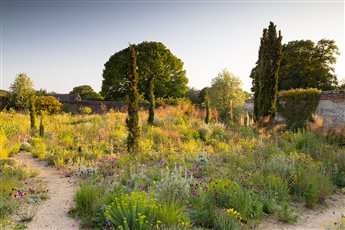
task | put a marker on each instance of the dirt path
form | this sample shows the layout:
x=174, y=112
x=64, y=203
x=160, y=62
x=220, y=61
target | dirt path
x=326, y=218
x=53, y=212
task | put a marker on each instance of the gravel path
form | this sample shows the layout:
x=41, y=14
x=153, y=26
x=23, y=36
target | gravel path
x=53, y=212
x=326, y=218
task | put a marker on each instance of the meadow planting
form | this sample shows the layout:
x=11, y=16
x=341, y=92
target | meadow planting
x=185, y=174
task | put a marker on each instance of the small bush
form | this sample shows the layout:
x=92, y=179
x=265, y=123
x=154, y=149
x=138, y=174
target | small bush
x=85, y=110
x=48, y=104
x=38, y=148
x=173, y=188
x=286, y=214
x=87, y=200
x=133, y=211
x=227, y=219
x=298, y=106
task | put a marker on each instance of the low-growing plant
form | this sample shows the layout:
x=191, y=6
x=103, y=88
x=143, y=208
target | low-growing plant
x=85, y=110
x=38, y=148
x=286, y=214
x=87, y=199
x=174, y=187
x=227, y=219
x=133, y=211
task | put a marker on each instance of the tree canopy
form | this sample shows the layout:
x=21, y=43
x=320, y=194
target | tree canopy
x=308, y=65
x=86, y=92
x=20, y=91
x=47, y=104
x=154, y=60
x=226, y=94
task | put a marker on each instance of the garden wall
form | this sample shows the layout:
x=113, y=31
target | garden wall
x=331, y=107
x=97, y=106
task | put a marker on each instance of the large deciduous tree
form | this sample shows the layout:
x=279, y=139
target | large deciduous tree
x=86, y=92
x=308, y=65
x=226, y=94
x=154, y=60
x=20, y=92
x=133, y=115
x=161, y=74
x=265, y=73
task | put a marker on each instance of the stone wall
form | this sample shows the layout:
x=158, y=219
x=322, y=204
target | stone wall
x=97, y=106
x=331, y=107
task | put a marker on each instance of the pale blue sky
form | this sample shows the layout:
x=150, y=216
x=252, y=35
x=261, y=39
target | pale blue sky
x=61, y=44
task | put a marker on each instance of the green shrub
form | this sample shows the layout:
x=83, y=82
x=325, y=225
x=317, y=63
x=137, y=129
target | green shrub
x=310, y=195
x=204, y=133
x=297, y=106
x=227, y=219
x=38, y=148
x=286, y=214
x=174, y=187
x=85, y=110
x=3, y=149
x=202, y=207
x=87, y=200
x=133, y=211
x=47, y=104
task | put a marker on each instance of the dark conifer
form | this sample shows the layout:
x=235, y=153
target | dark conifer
x=265, y=74
x=133, y=116
x=151, y=101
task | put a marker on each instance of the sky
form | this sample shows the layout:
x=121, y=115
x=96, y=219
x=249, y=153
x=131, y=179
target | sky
x=61, y=44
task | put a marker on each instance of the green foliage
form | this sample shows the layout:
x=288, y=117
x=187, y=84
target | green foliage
x=308, y=65
x=153, y=60
x=41, y=131
x=297, y=106
x=20, y=92
x=87, y=199
x=224, y=219
x=32, y=109
x=194, y=95
x=134, y=211
x=85, y=110
x=265, y=74
x=3, y=93
x=133, y=116
x=151, y=101
x=38, y=148
x=86, y=92
x=173, y=188
x=226, y=95
x=3, y=141
x=207, y=109
x=48, y=104
x=310, y=195
x=286, y=214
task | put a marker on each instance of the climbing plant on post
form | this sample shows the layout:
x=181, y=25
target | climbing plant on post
x=265, y=74
x=132, y=120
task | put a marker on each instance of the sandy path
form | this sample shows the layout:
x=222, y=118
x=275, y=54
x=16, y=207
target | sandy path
x=53, y=212
x=326, y=218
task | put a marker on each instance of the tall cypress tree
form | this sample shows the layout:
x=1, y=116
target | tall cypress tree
x=132, y=120
x=151, y=101
x=207, y=108
x=32, y=110
x=265, y=74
